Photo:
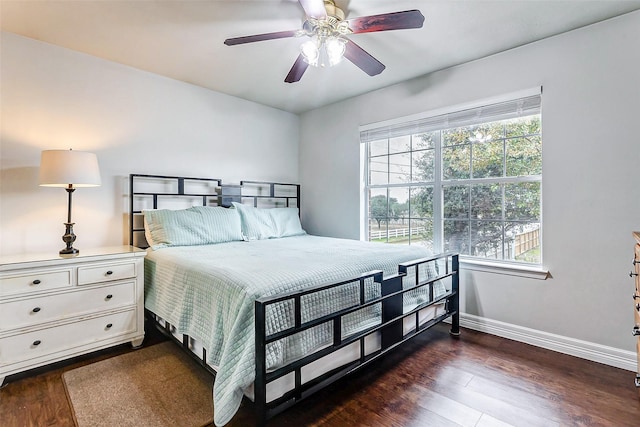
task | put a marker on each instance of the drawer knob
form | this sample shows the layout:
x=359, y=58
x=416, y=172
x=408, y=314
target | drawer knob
x=37, y=343
x=109, y=273
x=108, y=297
x=109, y=325
x=631, y=274
x=36, y=309
x=635, y=261
x=635, y=331
x=36, y=282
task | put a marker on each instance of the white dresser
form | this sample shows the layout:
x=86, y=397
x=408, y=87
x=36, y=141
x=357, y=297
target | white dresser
x=55, y=307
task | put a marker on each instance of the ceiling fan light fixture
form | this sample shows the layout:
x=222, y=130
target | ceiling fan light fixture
x=323, y=52
x=327, y=45
x=335, y=47
x=310, y=52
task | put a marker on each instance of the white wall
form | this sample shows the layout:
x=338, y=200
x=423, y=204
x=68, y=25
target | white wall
x=591, y=108
x=136, y=122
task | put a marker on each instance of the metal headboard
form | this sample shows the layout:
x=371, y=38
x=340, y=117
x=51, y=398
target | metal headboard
x=276, y=194
x=177, y=192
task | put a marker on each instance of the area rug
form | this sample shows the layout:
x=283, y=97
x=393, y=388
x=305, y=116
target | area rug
x=155, y=386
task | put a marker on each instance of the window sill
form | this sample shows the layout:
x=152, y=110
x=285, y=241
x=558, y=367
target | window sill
x=531, y=272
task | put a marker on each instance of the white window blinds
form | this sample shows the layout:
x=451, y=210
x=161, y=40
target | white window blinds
x=498, y=111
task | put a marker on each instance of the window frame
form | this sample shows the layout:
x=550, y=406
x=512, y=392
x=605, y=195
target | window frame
x=534, y=270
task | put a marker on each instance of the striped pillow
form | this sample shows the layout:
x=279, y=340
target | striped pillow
x=198, y=225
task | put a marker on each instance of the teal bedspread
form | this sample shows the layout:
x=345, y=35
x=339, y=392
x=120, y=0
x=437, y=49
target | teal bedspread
x=208, y=292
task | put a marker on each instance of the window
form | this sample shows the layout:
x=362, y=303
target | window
x=467, y=181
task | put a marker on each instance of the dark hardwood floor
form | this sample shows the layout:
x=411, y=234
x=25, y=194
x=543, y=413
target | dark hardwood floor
x=476, y=380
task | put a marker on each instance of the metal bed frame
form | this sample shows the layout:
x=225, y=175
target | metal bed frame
x=391, y=298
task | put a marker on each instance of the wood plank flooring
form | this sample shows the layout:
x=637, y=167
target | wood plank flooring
x=476, y=380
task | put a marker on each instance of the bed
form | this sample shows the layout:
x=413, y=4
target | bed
x=276, y=314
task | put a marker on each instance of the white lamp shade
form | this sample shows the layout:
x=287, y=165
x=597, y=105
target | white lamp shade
x=61, y=168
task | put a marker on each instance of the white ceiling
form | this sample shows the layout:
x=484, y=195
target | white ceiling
x=183, y=39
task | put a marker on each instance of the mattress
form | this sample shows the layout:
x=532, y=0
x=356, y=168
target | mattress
x=208, y=292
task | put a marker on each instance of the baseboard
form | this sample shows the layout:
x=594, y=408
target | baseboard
x=583, y=349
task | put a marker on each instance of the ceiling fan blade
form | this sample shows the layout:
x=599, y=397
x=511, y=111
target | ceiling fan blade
x=314, y=8
x=387, y=21
x=260, y=37
x=362, y=59
x=298, y=69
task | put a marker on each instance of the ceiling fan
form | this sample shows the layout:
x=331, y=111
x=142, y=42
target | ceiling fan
x=327, y=45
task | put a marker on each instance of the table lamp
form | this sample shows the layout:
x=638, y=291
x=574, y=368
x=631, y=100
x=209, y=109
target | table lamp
x=69, y=169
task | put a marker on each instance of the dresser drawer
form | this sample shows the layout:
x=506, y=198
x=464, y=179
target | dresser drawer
x=47, y=341
x=36, y=310
x=34, y=281
x=105, y=272
x=636, y=267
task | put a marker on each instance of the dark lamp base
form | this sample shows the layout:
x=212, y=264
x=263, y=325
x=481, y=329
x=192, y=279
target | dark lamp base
x=69, y=251
x=69, y=238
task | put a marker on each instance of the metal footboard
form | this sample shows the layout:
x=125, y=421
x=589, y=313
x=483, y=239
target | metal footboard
x=390, y=328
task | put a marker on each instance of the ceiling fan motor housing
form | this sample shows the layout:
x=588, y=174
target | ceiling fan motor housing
x=333, y=11
x=331, y=25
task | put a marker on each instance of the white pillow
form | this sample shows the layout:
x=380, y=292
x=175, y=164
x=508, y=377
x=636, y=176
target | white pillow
x=262, y=223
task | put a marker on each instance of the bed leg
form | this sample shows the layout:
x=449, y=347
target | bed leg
x=455, y=325
x=454, y=302
x=260, y=383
